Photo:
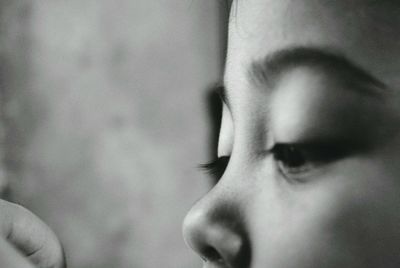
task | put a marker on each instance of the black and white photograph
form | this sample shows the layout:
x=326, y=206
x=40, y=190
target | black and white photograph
x=200, y=134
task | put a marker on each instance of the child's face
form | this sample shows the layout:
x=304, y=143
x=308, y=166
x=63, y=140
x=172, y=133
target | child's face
x=313, y=178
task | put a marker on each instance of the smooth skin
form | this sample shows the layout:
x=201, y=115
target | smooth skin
x=313, y=179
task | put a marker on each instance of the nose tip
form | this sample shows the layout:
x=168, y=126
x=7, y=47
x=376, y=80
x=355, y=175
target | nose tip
x=215, y=241
x=195, y=237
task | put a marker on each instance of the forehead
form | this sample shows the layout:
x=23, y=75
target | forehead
x=365, y=32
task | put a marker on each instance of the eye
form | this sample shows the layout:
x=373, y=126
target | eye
x=290, y=159
x=296, y=161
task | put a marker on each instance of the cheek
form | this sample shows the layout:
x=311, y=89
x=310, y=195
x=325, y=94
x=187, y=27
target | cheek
x=367, y=219
x=343, y=221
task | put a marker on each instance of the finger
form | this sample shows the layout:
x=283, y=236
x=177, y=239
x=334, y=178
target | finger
x=11, y=258
x=30, y=235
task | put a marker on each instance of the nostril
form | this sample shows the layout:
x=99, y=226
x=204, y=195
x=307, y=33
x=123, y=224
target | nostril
x=211, y=254
x=217, y=236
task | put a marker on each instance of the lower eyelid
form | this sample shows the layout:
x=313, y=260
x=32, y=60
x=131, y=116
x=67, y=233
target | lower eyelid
x=300, y=169
x=302, y=176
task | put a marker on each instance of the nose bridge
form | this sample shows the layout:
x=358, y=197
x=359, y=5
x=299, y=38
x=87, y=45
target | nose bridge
x=215, y=229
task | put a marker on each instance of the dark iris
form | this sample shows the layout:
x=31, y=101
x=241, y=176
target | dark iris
x=289, y=155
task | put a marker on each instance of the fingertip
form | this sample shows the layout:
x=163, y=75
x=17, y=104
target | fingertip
x=31, y=236
x=11, y=258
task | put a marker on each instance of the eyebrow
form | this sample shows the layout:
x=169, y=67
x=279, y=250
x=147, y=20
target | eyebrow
x=268, y=70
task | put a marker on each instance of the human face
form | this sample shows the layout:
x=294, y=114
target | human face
x=311, y=125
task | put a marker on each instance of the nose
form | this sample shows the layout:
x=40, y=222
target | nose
x=217, y=234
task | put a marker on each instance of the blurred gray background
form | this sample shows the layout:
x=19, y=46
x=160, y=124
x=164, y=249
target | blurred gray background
x=104, y=120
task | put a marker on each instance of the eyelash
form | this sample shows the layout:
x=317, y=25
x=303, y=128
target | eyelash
x=216, y=168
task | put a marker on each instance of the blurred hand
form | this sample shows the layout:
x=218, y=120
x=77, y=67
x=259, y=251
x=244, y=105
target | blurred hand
x=25, y=241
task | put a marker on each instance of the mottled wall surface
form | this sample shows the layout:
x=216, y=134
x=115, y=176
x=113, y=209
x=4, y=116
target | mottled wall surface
x=104, y=119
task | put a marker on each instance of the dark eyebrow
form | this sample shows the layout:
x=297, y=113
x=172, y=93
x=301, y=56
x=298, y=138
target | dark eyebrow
x=268, y=70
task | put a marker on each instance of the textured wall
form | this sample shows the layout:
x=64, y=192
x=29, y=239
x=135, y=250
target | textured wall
x=103, y=107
